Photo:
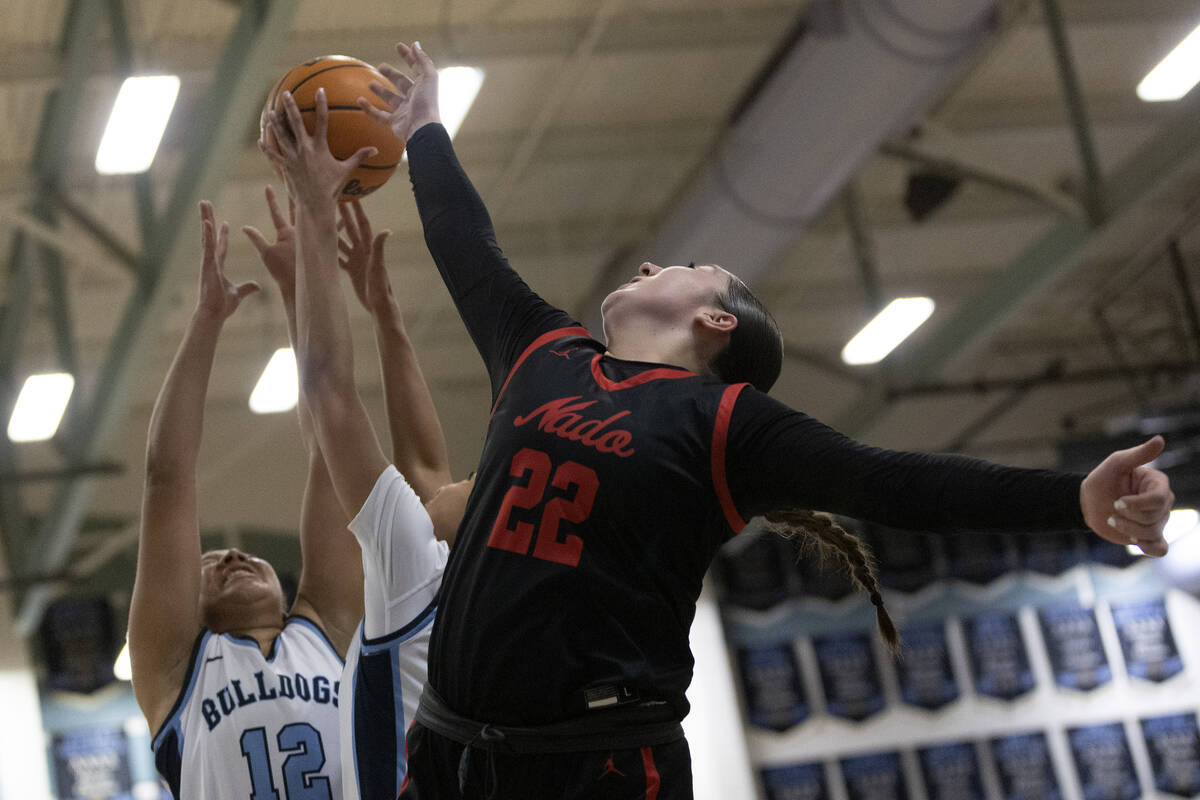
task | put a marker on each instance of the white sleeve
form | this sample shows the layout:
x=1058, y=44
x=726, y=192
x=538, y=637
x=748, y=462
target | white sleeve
x=402, y=560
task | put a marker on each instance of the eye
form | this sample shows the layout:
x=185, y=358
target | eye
x=691, y=265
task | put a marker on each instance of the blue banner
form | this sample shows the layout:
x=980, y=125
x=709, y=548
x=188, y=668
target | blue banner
x=1174, y=746
x=1073, y=643
x=879, y=776
x=1103, y=762
x=1102, y=551
x=772, y=686
x=951, y=772
x=1146, y=640
x=906, y=560
x=1049, y=553
x=926, y=677
x=1024, y=767
x=978, y=557
x=849, y=675
x=795, y=782
x=998, y=656
x=92, y=764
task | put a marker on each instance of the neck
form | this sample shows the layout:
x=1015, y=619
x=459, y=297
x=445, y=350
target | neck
x=656, y=345
x=262, y=632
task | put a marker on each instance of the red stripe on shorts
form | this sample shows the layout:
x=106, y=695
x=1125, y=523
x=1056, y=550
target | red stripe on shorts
x=651, y=773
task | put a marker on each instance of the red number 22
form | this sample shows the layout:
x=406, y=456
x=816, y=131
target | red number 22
x=515, y=536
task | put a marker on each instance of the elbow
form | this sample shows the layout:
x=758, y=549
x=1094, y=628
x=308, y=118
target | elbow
x=166, y=469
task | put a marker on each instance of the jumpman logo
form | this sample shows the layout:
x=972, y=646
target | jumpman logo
x=563, y=353
x=610, y=767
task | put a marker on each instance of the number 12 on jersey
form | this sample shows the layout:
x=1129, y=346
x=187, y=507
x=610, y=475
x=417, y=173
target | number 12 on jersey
x=536, y=469
x=305, y=757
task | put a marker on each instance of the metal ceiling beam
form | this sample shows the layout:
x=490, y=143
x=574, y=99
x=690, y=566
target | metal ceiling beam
x=232, y=103
x=1146, y=174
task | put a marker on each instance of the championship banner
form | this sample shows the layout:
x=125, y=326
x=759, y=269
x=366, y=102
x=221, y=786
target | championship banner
x=1024, y=767
x=926, y=677
x=92, y=764
x=879, y=776
x=772, y=686
x=998, y=656
x=795, y=782
x=1049, y=553
x=849, y=675
x=1174, y=745
x=1146, y=640
x=977, y=558
x=1103, y=762
x=1073, y=643
x=951, y=772
x=755, y=575
x=906, y=561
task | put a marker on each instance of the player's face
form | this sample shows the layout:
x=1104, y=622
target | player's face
x=672, y=294
x=447, y=506
x=233, y=583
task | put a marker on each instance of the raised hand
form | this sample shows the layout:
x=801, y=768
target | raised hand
x=312, y=172
x=219, y=296
x=414, y=103
x=279, y=257
x=1128, y=502
x=362, y=259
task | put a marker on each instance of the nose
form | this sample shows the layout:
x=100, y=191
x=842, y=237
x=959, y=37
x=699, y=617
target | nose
x=233, y=554
x=647, y=269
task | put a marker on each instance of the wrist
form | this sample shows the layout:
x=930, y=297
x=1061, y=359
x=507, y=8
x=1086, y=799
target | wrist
x=205, y=317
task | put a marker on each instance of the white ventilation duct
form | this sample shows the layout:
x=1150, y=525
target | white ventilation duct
x=854, y=73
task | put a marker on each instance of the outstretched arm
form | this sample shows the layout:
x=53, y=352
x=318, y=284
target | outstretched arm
x=324, y=349
x=164, y=616
x=418, y=441
x=330, y=590
x=501, y=313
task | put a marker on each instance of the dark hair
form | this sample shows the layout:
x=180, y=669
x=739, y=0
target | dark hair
x=755, y=351
x=811, y=528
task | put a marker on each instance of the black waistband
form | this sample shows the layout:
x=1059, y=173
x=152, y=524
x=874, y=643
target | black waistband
x=641, y=725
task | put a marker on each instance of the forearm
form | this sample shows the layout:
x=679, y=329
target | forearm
x=325, y=355
x=177, y=422
x=418, y=441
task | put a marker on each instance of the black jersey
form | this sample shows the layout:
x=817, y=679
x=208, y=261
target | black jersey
x=606, y=486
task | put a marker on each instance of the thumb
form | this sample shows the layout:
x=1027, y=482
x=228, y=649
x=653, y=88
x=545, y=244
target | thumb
x=362, y=155
x=1144, y=453
x=244, y=290
x=256, y=238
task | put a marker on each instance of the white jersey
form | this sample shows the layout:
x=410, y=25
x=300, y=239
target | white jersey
x=252, y=726
x=387, y=665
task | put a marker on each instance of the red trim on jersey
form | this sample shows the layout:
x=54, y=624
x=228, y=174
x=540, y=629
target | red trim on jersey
x=545, y=338
x=720, y=434
x=652, y=780
x=637, y=380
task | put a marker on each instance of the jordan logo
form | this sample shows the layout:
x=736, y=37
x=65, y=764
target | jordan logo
x=610, y=767
x=563, y=353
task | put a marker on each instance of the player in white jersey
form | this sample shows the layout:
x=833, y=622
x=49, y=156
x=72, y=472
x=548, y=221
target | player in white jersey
x=241, y=693
x=404, y=542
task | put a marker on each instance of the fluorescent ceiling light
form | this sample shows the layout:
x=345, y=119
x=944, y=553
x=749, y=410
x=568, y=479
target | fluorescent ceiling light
x=135, y=127
x=40, y=407
x=457, y=88
x=122, y=669
x=890, y=327
x=1181, y=522
x=277, y=389
x=1176, y=74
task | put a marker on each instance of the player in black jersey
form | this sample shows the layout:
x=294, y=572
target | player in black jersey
x=610, y=475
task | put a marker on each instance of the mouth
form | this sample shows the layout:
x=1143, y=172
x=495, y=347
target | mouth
x=233, y=572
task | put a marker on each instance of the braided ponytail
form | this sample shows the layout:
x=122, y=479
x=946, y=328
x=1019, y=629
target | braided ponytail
x=813, y=528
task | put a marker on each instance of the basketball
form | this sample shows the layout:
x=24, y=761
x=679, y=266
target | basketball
x=344, y=80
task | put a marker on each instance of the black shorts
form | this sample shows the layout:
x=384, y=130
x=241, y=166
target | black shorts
x=662, y=772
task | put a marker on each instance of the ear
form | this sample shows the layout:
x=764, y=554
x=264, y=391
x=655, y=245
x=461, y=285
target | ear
x=716, y=320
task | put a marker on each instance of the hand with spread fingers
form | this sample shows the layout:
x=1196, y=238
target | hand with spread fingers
x=219, y=296
x=279, y=256
x=361, y=257
x=312, y=172
x=1126, y=501
x=414, y=103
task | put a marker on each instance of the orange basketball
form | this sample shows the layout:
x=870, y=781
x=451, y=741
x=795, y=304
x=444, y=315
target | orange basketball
x=344, y=80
